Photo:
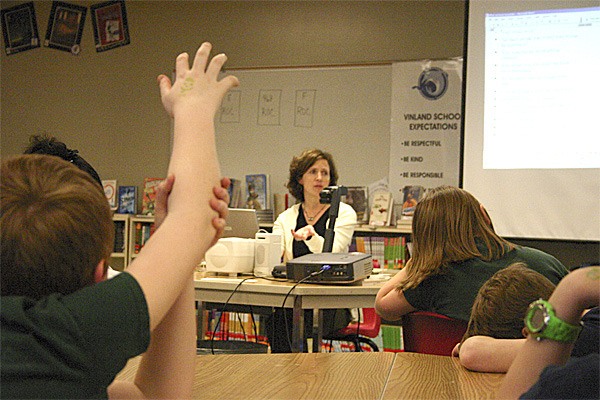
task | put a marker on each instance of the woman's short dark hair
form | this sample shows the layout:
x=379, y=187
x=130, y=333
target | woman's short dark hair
x=302, y=163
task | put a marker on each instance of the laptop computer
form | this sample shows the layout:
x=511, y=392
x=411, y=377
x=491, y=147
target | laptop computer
x=241, y=223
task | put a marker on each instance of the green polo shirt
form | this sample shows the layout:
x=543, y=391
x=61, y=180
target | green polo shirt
x=72, y=347
x=453, y=292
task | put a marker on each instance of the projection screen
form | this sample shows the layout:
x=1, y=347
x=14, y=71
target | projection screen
x=532, y=116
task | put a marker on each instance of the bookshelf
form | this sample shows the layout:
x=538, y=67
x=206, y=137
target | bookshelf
x=236, y=326
x=391, y=331
x=131, y=232
x=386, y=244
x=401, y=229
x=118, y=258
x=141, y=227
x=374, y=240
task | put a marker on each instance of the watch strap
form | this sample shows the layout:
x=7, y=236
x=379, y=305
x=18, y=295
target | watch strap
x=559, y=330
x=556, y=329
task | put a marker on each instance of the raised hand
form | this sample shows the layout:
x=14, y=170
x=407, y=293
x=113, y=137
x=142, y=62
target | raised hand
x=196, y=86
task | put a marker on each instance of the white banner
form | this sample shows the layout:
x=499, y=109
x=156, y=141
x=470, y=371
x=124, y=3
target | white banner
x=425, y=126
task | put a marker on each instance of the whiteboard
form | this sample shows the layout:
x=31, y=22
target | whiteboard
x=275, y=114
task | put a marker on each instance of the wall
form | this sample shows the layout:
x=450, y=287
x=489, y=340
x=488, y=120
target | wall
x=107, y=106
x=348, y=114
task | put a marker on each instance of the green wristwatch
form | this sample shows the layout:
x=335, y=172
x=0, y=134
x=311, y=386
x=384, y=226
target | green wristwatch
x=542, y=323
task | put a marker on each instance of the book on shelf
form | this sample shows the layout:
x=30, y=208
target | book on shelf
x=391, y=336
x=138, y=238
x=149, y=195
x=411, y=195
x=381, y=208
x=264, y=216
x=280, y=203
x=127, y=200
x=378, y=251
x=236, y=196
x=394, y=252
x=363, y=245
x=258, y=191
x=386, y=252
x=110, y=191
x=143, y=231
x=228, y=325
x=119, y=244
x=358, y=199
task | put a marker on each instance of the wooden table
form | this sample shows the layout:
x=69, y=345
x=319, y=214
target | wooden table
x=271, y=293
x=424, y=376
x=333, y=376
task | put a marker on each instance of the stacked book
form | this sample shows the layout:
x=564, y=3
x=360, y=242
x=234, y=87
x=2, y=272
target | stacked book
x=143, y=231
x=236, y=197
x=119, y=246
x=387, y=252
x=392, y=338
x=234, y=326
x=264, y=216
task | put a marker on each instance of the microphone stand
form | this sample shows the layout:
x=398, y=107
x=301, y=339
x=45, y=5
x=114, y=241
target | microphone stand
x=331, y=195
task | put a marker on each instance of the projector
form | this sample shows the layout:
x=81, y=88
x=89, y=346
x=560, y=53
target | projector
x=343, y=268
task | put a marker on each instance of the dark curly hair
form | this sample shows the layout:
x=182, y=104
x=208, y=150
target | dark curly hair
x=301, y=164
x=45, y=144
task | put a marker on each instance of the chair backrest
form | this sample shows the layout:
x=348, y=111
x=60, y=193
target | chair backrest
x=369, y=327
x=431, y=333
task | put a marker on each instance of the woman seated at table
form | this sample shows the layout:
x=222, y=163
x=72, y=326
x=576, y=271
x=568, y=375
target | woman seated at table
x=302, y=227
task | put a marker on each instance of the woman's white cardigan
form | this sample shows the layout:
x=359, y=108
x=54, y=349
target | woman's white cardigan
x=344, y=229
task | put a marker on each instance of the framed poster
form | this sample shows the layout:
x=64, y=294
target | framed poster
x=19, y=26
x=65, y=27
x=110, y=25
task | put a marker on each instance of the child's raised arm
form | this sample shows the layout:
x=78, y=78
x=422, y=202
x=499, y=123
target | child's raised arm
x=190, y=213
x=166, y=263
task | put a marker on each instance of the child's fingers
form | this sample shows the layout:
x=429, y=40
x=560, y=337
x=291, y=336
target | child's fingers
x=221, y=194
x=225, y=182
x=167, y=184
x=215, y=65
x=230, y=81
x=220, y=207
x=219, y=225
x=182, y=65
x=201, y=58
x=164, y=84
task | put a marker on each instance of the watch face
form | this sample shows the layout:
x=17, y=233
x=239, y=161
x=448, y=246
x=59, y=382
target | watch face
x=542, y=323
x=539, y=318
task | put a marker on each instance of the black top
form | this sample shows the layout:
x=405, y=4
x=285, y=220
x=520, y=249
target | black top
x=73, y=346
x=299, y=247
x=577, y=379
x=588, y=341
